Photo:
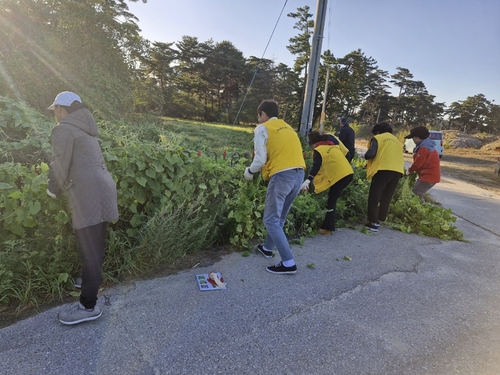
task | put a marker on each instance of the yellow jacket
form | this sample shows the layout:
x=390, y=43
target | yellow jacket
x=389, y=156
x=284, y=150
x=344, y=149
x=334, y=166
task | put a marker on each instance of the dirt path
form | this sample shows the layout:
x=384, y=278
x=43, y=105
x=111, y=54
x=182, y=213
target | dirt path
x=473, y=166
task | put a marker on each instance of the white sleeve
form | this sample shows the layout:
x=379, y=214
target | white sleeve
x=260, y=148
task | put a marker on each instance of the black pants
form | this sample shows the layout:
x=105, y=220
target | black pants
x=91, y=245
x=333, y=195
x=382, y=189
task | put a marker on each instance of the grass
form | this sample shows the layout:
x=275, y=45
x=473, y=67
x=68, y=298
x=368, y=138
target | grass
x=200, y=136
x=166, y=244
x=50, y=278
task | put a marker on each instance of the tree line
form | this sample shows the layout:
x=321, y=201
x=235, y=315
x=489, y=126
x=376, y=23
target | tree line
x=94, y=47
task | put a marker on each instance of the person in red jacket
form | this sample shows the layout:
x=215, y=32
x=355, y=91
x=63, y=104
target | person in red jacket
x=425, y=161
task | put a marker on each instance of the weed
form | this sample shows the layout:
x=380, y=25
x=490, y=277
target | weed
x=174, y=231
x=171, y=202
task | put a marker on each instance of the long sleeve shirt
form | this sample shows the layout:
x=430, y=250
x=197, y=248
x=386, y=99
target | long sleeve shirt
x=260, y=147
x=346, y=136
x=317, y=161
x=372, y=151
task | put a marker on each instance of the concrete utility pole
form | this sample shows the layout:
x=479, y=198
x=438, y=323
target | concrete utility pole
x=312, y=76
x=323, y=107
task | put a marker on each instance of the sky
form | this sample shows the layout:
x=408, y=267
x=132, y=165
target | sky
x=452, y=46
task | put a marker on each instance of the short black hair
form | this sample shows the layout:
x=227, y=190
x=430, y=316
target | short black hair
x=420, y=131
x=382, y=127
x=315, y=137
x=270, y=107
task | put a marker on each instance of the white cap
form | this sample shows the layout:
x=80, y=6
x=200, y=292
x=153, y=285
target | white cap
x=65, y=98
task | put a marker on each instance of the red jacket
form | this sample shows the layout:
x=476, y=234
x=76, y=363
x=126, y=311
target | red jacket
x=426, y=163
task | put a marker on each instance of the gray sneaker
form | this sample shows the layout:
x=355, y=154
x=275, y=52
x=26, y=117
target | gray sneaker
x=78, y=314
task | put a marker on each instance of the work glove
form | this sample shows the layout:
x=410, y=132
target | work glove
x=305, y=185
x=51, y=194
x=247, y=174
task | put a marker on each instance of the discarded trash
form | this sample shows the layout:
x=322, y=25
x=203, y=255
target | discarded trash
x=214, y=278
x=211, y=281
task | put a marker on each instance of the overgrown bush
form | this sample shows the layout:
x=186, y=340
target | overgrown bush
x=176, y=230
x=171, y=202
x=409, y=215
x=24, y=133
x=29, y=277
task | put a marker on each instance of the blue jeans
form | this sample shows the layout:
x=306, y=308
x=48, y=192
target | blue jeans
x=282, y=190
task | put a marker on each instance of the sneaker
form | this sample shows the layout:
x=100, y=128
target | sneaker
x=282, y=270
x=324, y=232
x=377, y=224
x=78, y=282
x=266, y=253
x=372, y=226
x=78, y=314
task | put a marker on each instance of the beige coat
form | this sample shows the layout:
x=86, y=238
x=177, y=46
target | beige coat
x=78, y=167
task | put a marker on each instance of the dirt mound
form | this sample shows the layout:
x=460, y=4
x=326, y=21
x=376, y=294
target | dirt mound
x=456, y=139
x=493, y=146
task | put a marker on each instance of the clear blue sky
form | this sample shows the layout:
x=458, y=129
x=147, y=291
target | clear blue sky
x=453, y=46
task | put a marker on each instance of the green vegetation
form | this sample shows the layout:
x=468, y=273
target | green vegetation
x=179, y=179
x=172, y=202
x=94, y=48
x=410, y=216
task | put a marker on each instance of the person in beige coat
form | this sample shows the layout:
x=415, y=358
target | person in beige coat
x=78, y=169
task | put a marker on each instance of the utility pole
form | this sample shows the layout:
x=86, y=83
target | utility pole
x=312, y=76
x=323, y=107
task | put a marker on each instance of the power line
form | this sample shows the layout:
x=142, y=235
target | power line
x=260, y=63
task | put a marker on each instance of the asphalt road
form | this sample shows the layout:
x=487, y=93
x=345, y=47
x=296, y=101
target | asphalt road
x=404, y=304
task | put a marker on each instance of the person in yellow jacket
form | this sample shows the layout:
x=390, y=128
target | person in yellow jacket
x=384, y=168
x=278, y=155
x=330, y=169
